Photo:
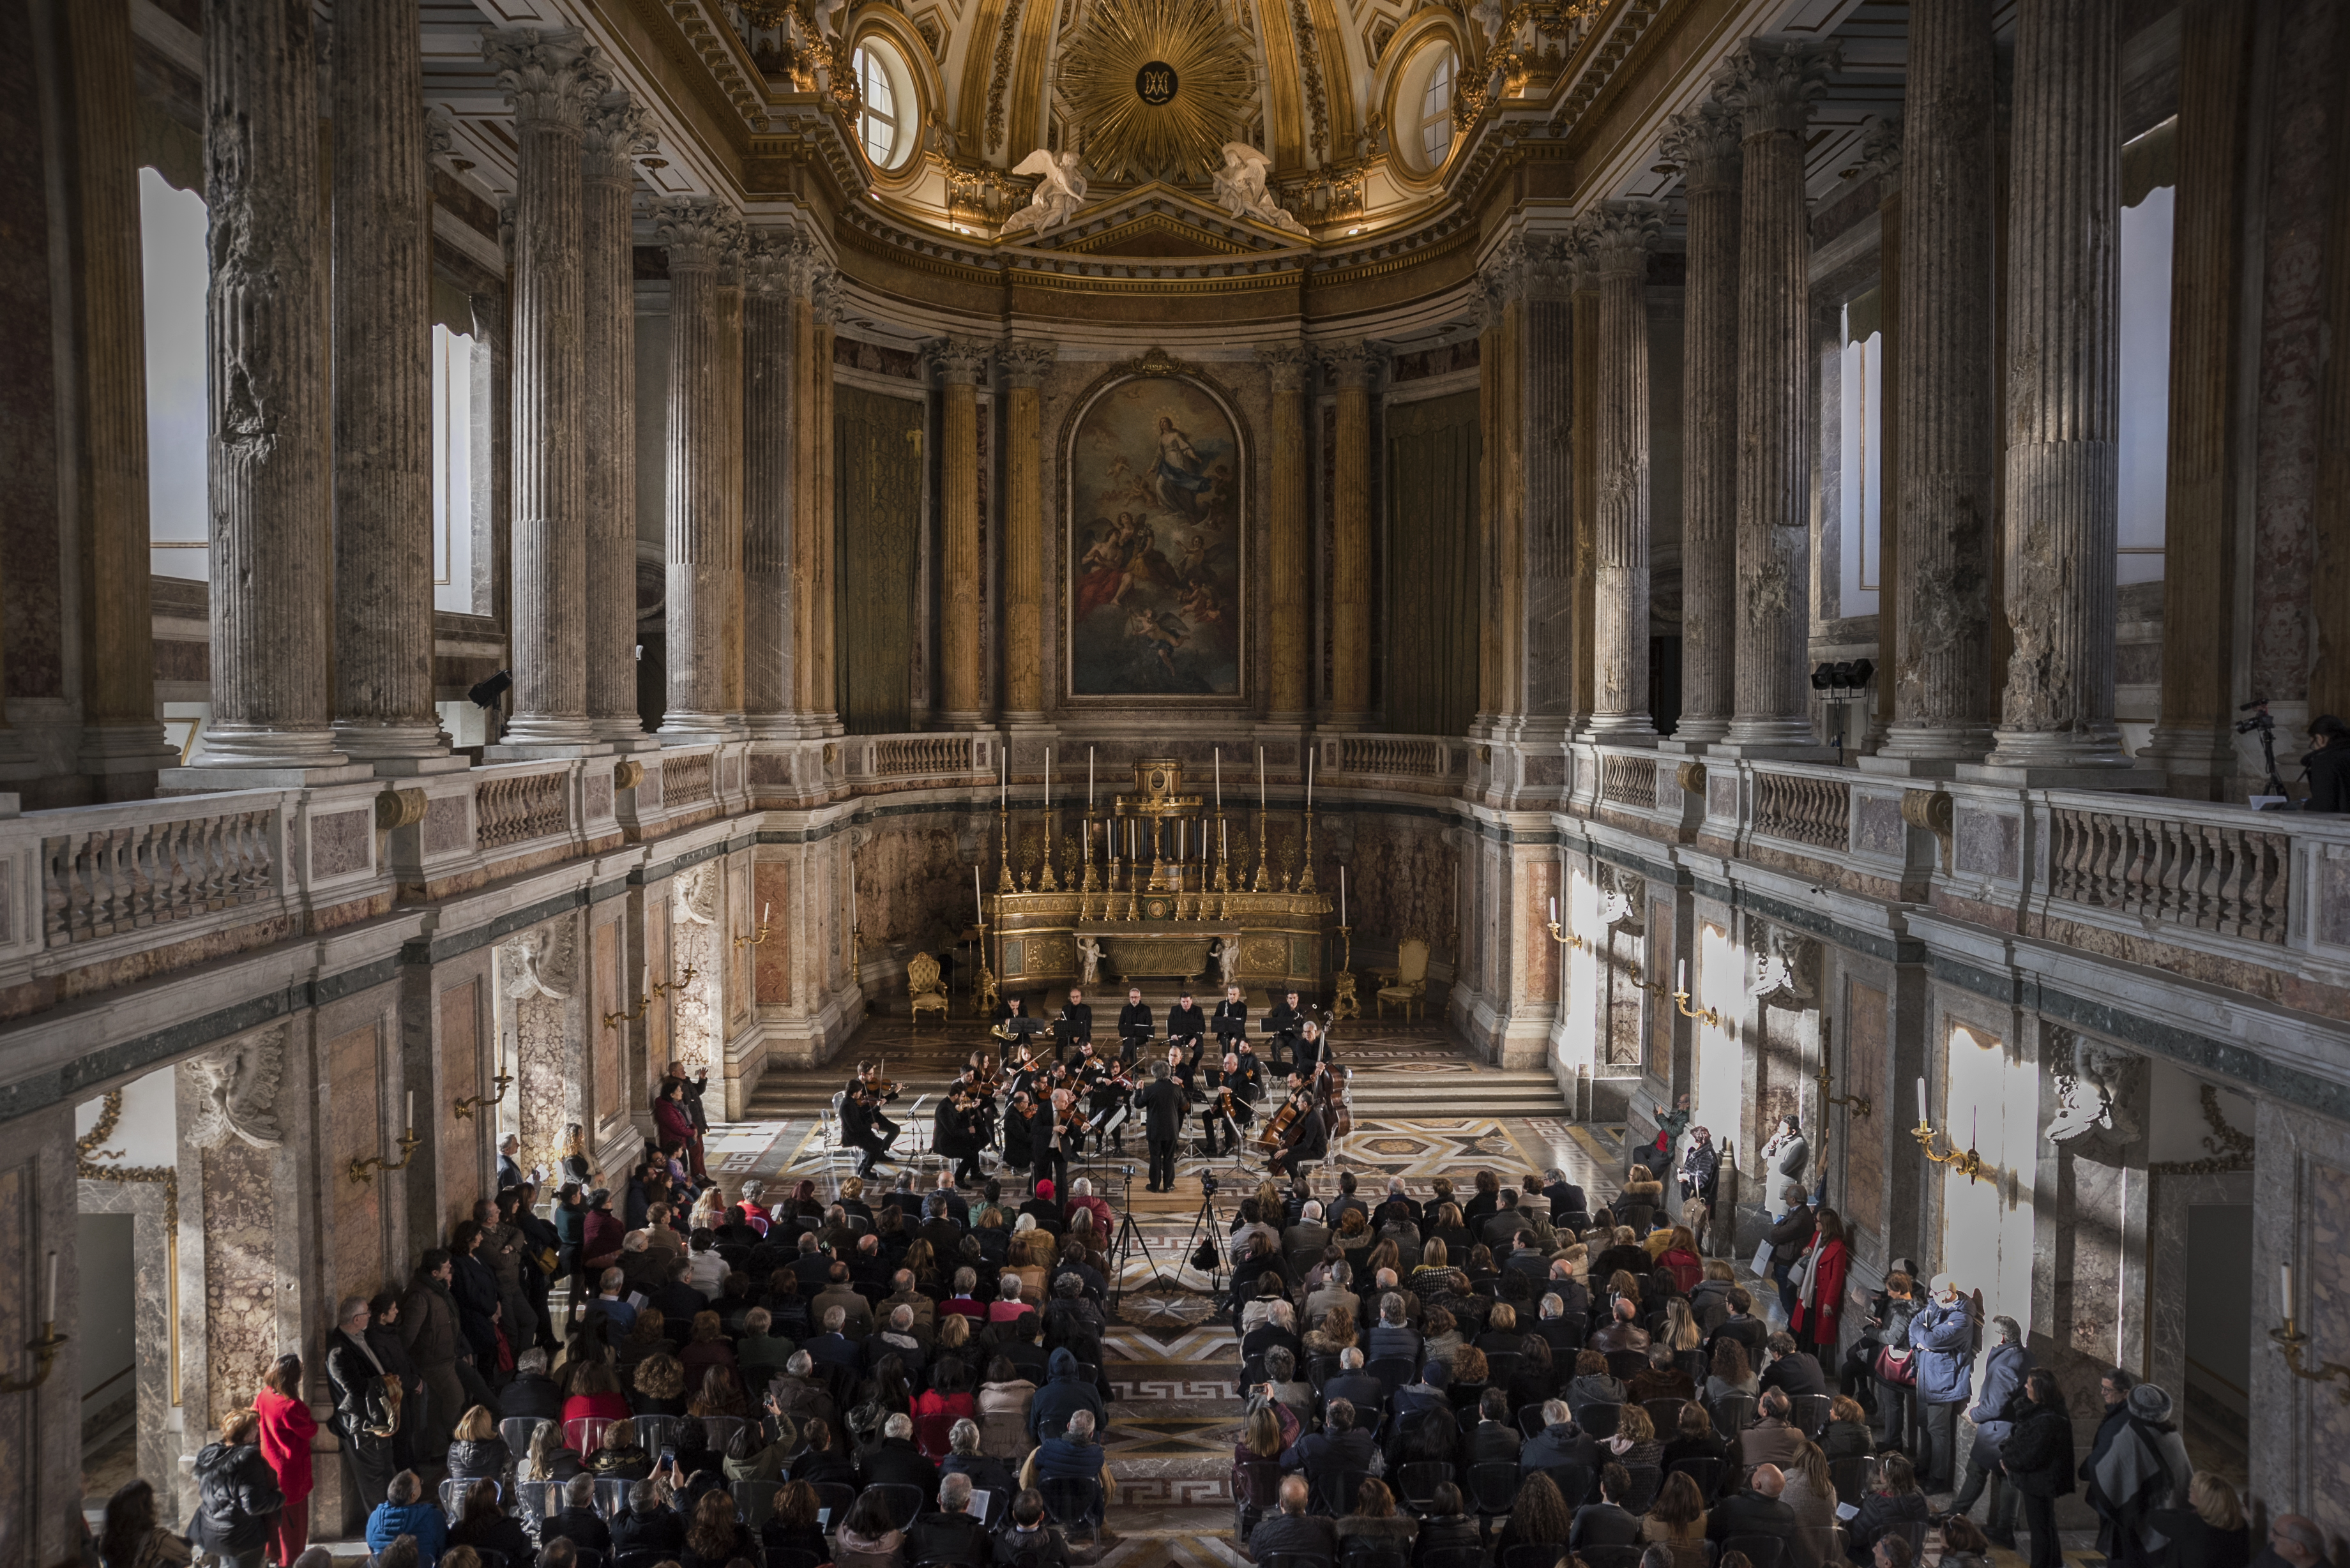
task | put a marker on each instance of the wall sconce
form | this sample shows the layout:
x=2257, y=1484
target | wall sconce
x=755, y=941
x=659, y=988
x=1570, y=941
x=360, y=1167
x=465, y=1108
x=1705, y=1015
x=2290, y=1340
x=45, y=1349
x=1858, y=1103
x=1966, y=1161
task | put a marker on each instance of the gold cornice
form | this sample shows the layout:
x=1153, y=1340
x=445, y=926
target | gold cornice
x=1152, y=224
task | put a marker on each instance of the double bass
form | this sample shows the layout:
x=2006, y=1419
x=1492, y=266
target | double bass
x=1334, y=1082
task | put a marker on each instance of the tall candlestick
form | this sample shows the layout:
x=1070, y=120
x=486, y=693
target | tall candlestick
x=1220, y=778
x=1004, y=782
x=1922, y=1103
x=1553, y=909
x=978, y=899
x=50, y=1316
x=1342, y=895
x=1223, y=840
x=1259, y=778
x=1309, y=780
x=1089, y=778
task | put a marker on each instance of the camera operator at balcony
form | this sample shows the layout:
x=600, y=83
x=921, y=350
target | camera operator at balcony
x=2328, y=767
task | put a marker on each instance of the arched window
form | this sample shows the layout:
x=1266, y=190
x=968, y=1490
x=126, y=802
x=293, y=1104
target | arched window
x=888, y=123
x=1433, y=114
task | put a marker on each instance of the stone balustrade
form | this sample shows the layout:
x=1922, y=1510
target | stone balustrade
x=1414, y=758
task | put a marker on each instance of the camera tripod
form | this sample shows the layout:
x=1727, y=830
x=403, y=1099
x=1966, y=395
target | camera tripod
x=1131, y=1240
x=1206, y=1217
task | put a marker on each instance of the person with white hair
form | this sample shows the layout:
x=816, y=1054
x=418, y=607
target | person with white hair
x=1074, y=1456
x=1303, y=1242
x=950, y=1534
x=895, y=1461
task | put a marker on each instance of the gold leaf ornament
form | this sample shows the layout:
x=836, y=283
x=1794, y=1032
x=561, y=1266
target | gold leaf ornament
x=1159, y=85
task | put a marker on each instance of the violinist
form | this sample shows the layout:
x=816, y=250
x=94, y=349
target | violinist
x=1186, y=1025
x=1134, y=1029
x=1226, y=1111
x=1247, y=1074
x=1106, y=1088
x=955, y=1135
x=1076, y=1024
x=1180, y=1067
x=1020, y=1130
x=1049, y=1154
x=862, y=1126
x=1281, y=1026
x=880, y=1091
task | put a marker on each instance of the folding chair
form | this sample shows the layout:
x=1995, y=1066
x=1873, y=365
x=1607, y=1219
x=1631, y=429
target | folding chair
x=655, y=1433
x=1535, y=1555
x=519, y=1431
x=1641, y=1491
x=1664, y=1415
x=1611, y=1556
x=1417, y=1482
x=833, y=1501
x=1733, y=1414
x=1072, y=1501
x=611, y=1496
x=1494, y=1488
x=1393, y=1372
x=531, y=1498
x=1256, y=1492
x=1706, y=1473
x=583, y=1435
x=1850, y=1475
x=1600, y=1420
x=1333, y=1490
x=1574, y=1483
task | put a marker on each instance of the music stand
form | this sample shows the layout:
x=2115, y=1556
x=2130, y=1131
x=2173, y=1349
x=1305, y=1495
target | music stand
x=1024, y=1029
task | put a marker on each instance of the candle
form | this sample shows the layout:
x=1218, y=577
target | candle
x=1089, y=778
x=1342, y=895
x=1683, y=987
x=1048, y=778
x=1004, y=782
x=1220, y=778
x=978, y=899
x=1309, y=782
x=411, y=1110
x=2287, y=1271
x=766, y=907
x=1554, y=911
x=1974, y=1126
x=1259, y=778
x=50, y=1316
x=1223, y=840
x=1922, y=1103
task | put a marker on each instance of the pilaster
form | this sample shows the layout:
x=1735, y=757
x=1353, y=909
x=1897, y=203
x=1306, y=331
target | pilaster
x=1289, y=692
x=1615, y=240
x=1354, y=368
x=1025, y=364
x=617, y=132
x=961, y=364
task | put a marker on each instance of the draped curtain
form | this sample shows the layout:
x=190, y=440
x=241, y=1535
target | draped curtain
x=877, y=504
x=1432, y=597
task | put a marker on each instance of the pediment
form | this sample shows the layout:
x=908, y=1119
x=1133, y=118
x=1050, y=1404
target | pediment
x=1159, y=220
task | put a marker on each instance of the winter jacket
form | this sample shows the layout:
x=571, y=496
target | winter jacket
x=484, y=1458
x=1943, y=1335
x=1819, y=1312
x=1790, y=1236
x=2038, y=1454
x=2002, y=1385
x=1065, y=1393
x=600, y=1238
x=424, y=1521
x=428, y=1323
x=286, y=1428
x=236, y=1497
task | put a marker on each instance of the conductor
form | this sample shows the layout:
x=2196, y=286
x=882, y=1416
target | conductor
x=1162, y=1105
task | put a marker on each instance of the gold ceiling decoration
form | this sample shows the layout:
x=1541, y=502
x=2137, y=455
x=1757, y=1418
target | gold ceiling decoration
x=1156, y=87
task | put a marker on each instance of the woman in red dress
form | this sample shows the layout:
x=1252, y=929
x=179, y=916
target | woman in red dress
x=1819, y=1306
x=286, y=1428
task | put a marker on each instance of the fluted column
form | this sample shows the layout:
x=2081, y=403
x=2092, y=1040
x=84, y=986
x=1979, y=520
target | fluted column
x=2063, y=372
x=1544, y=366
x=702, y=547
x=2193, y=739
x=383, y=391
x=1941, y=575
x=1617, y=238
x=1583, y=446
x=768, y=411
x=1355, y=366
x=962, y=365
x=1024, y=366
x=553, y=77
x=1706, y=143
x=272, y=579
x=812, y=541
x=1289, y=692
x=617, y=133
x=1772, y=83
x=1501, y=361
x=728, y=466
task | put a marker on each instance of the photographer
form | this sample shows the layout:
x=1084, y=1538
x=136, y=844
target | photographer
x=2328, y=767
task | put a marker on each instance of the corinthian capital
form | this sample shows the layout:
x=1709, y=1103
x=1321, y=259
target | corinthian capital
x=1353, y=364
x=1287, y=364
x=1773, y=82
x=1026, y=360
x=769, y=258
x=1704, y=140
x=1616, y=236
x=618, y=133
x=960, y=361
x=1880, y=149
x=547, y=73
x=697, y=231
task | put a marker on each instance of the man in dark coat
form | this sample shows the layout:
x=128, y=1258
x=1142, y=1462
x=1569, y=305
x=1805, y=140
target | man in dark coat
x=1338, y=1446
x=1065, y=1392
x=1606, y=1523
x=576, y=1521
x=435, y=1340
x=1134, y=1026
x=1293, y=1532
x=895, y=1461
x=1162, y=1107
x=475, y=1289
x=364, y=1406
x=948, y=1534
x=2328, y=767
x=1281, y=1026
x=1757, y=1511
x=2037, y=1459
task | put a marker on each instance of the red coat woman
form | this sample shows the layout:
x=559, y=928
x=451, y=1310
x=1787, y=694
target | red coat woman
x=286, y=1428
x=1819, y=1306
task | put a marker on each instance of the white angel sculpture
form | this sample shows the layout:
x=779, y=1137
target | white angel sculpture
x=1060, y=192
x=1239, y=186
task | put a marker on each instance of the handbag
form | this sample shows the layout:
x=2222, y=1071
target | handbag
x=1898, y=1367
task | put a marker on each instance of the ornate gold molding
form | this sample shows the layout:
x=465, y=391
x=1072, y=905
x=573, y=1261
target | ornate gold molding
x=2230, y=1150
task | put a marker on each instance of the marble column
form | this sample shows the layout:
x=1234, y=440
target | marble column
x=617, y=133
x=1940, y=573
x=812, y=499
x=1544, y=364
x=768, y=411
x=1025, y=364
x=123, y=745
x=1354, y=368
x=1582, y=445
x=2192, y=738
x=1771, y=84
x=1705, y=142
x=383, y=391
x=961, y=366
x=272, y=579
x=702, y=548
x=553, y=79
x=1289, y=693
x=1880, y=159
x=729, y=467
x=1615, y=240
x=2062, y=478
x=1501, y=359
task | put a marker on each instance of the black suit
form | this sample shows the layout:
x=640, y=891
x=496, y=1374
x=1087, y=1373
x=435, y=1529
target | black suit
x=1186, y=1025
x=1134, y=1029
x=1230, y=1023
x=1750, y=1514
x=947, y=1538
x=1281, y=1026
x=1075, y=1026
x=1162, y=1104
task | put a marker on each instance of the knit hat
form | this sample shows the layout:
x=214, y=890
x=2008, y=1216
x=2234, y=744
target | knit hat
x=2149, y=1403
x=1044, y=1189
x=1435, y=1375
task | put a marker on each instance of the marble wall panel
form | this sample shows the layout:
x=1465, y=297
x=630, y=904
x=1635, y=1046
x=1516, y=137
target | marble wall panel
x=354, y=1122
x=741, y=919
x=543, y=1077
x=240, y=1275
x=772, y=964
x=2333, y=899
x=603, y=998
x=1877, y=826
x=1658, y=970
x=1862, y=1072
x=658, y=966
x=447, y=824
x=1537, y=883
x=1620, y=960
x=1401, y=883
x=694, y=1009
x=459, y=1163
x=913, y=888
x=341, y=844
x=1991, y=844
x=2329, y=1331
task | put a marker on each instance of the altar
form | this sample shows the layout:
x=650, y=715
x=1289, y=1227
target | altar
x=1158, y=893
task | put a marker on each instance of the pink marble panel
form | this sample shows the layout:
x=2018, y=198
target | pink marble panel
x=354, y=1123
